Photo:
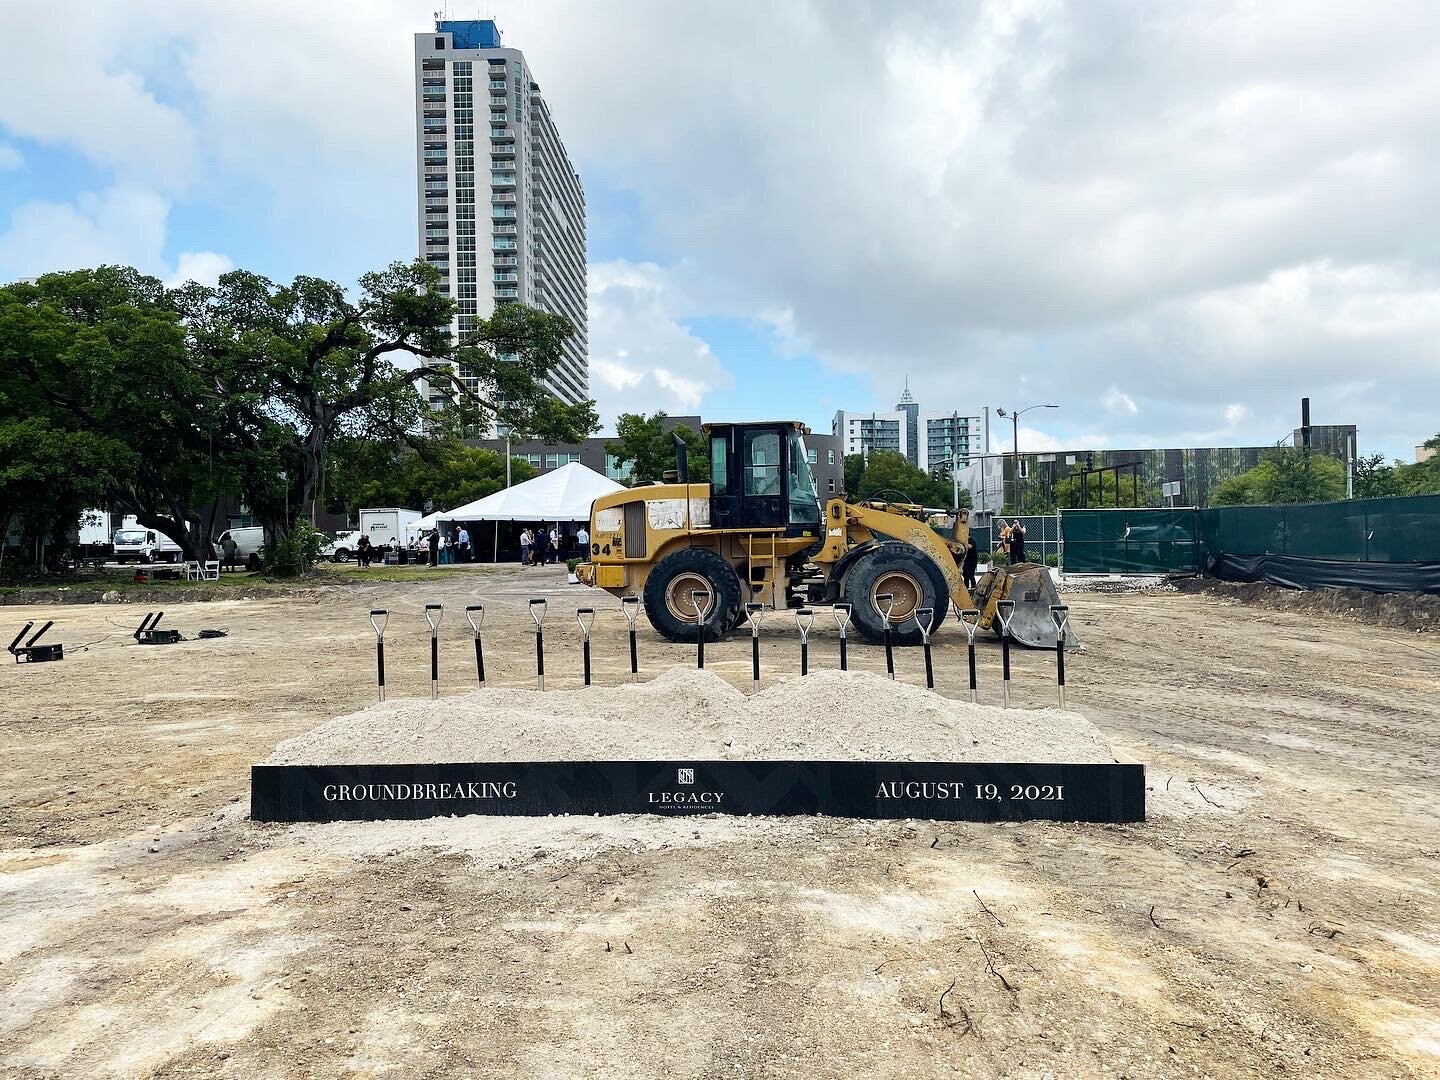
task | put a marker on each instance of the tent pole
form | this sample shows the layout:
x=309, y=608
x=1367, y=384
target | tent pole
x=495, y=555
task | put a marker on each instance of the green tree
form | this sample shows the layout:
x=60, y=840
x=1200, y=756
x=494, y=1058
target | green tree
x=889, y=474
x=241, y=388
x=649, y=446
x=1420, y=477
x=443, y=472
x=50, y=475
x=1286, y=474
x=308, y=365
x=1373, y=478
x=854, y=469
x=102, y=355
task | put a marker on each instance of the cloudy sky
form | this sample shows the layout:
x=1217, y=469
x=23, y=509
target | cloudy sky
x=1172, y=219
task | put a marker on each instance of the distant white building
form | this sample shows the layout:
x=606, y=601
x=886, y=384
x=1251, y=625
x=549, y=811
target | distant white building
x=929, y=440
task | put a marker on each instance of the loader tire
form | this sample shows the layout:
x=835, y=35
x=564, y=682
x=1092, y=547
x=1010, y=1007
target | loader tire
x=910, y=576
x=667, y=595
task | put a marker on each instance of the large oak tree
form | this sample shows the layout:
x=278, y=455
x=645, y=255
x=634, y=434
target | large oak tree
x=241, y=387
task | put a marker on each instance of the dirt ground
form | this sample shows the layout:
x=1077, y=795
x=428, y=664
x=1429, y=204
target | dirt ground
x=1396, y=611
x=1277, y=912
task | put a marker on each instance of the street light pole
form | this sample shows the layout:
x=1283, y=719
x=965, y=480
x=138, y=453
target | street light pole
x=1015, y=426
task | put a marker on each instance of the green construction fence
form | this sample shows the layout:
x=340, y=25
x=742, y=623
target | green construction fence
x=1163, y=541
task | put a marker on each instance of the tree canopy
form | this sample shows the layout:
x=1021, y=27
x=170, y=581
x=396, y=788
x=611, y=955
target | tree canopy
x=443, y=472
x=1374, y=478
x=889, y=474
x=240, y=388
x=1286, y=474
x=649, y=446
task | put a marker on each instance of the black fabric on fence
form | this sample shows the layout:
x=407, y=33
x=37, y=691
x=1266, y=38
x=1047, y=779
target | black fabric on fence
x=1297, y=573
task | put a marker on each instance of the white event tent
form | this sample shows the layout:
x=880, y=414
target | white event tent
x=561, y=495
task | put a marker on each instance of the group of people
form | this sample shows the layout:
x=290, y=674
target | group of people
x=443, y=549
x=538, y=547
x=546, y=544
x=1012, y=540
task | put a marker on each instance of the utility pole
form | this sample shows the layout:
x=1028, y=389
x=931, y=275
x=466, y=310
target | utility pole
x=1019, y=491
x=1014, y=416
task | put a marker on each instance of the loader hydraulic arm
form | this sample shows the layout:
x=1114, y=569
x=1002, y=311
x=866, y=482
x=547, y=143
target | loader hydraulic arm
x=847, y=524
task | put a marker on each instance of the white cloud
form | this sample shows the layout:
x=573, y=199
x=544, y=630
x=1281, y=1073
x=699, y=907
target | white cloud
x=10, y=158
x=1121, y=403
x=1235, y=413
x=118, y=225
x=1031, y=441
x=1210, y=207
x=81, y=85
x=642, y=357
x=204, y=267
x=1051, y=191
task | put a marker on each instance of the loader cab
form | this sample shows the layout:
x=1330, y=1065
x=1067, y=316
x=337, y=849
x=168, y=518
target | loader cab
x=760, y=477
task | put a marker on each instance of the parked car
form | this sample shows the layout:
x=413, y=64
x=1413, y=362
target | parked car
x=342, y=547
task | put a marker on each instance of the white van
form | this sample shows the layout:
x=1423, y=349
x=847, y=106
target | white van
x=248, y=541
x=343, y=547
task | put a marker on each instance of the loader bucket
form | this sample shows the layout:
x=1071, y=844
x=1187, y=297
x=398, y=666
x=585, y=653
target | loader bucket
x=1033, y=590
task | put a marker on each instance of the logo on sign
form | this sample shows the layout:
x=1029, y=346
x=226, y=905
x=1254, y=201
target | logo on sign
x=689, y=799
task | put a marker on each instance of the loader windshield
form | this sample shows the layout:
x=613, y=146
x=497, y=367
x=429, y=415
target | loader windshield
x=804, y=503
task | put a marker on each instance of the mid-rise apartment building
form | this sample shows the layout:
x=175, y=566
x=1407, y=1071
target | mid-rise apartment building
x=929, y=440
x=502, y=210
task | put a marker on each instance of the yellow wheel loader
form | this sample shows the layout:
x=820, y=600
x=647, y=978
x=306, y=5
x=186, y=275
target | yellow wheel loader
x=758, y=533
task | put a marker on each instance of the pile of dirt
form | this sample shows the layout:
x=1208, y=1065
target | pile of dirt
x=1129, y=584
x=690, y=714
x=1398, y=611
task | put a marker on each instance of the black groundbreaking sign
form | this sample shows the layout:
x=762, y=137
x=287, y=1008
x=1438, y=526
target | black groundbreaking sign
x=939, y=791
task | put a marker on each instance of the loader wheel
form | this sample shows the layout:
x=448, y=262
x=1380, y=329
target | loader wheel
x=909, y=576
x=668, y=602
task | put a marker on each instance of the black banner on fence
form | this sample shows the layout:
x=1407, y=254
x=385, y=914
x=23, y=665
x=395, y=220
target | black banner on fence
x=1297, y=573
x=941, y=791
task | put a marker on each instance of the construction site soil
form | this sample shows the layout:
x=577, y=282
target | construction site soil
x=1277, y=912
x=1394, y=611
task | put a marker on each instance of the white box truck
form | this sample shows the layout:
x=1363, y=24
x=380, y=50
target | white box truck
x=94, y=538
x=389, y=523
x=134, y=541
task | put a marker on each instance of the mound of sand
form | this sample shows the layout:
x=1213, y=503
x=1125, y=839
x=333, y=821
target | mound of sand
x=690, y=714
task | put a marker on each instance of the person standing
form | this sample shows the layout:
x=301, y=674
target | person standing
x=464, y=544
x=971, y=561
x=231, y=548
x=582, y=537
x=542, y=538
x=433, y=542
x=362, y=552
x=1017, y=543
x=554, y=544
x=524, y=547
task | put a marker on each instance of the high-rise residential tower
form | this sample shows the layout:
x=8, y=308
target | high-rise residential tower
x=502, y=210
